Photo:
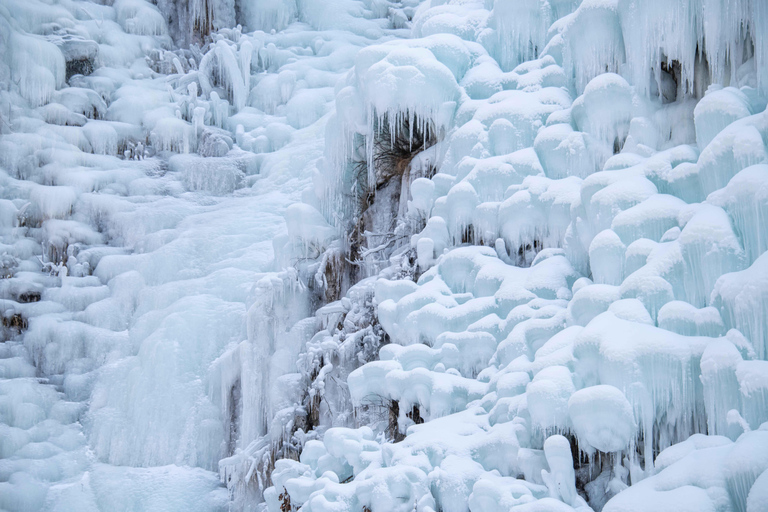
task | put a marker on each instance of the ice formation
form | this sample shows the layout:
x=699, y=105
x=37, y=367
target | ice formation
x=384, y=255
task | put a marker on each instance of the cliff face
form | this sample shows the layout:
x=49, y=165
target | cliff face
x=367, y=255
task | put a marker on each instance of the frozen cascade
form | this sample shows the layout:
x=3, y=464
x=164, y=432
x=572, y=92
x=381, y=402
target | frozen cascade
x=384, y=255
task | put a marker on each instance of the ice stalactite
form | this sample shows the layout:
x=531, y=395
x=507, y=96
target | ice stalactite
x=520, y=31
x=220, y=66
x=267, y=15
x=36, y=66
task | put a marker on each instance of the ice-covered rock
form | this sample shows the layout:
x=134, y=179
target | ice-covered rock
x=602, y=418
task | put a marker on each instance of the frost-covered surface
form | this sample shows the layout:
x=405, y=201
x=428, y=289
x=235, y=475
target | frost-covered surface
x=375, y=255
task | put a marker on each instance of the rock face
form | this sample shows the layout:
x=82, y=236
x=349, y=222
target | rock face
x=80, y=55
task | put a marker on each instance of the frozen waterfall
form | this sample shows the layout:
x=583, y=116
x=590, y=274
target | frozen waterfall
x=384, y=255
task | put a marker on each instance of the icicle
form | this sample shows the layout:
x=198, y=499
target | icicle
x=246, y=54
